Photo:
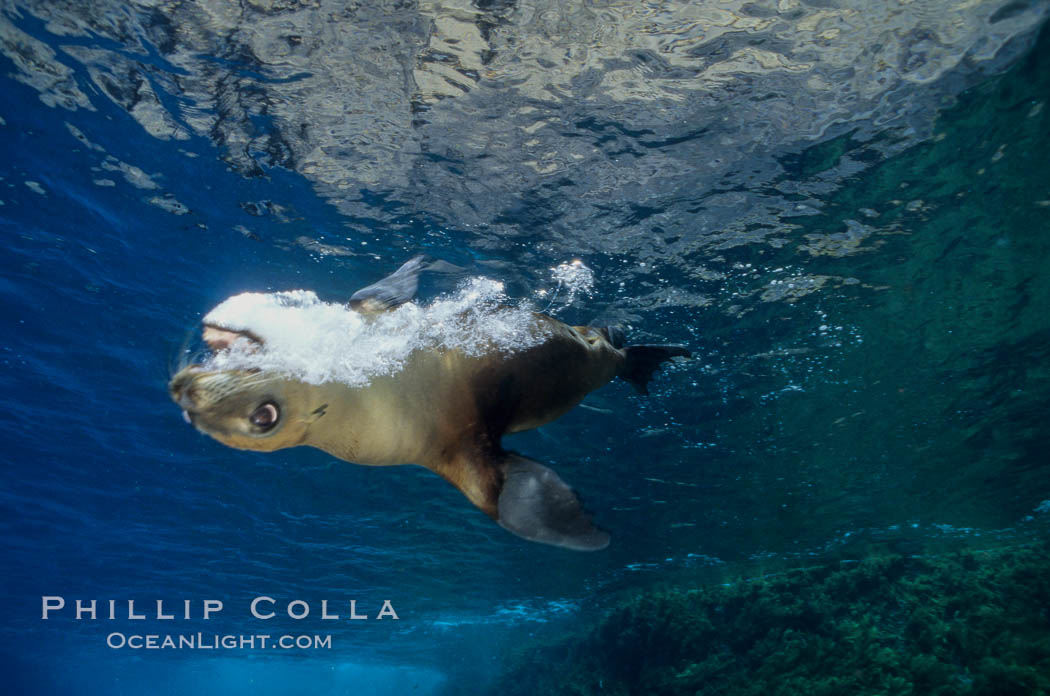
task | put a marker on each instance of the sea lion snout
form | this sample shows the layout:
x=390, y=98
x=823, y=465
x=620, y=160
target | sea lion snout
x=183, y=389
x=199, y=389
x=182, y=378
x=179, y=385
x=245, y=409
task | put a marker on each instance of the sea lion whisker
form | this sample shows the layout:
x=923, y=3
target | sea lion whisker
x=183, y=357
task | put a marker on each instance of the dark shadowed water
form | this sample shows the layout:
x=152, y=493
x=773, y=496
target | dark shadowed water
x=842, y=208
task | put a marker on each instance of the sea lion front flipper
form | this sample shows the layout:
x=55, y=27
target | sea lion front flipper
x=537, y=505
x=396, y=289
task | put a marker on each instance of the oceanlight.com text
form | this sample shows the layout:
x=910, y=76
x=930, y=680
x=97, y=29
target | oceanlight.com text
x=214, y=641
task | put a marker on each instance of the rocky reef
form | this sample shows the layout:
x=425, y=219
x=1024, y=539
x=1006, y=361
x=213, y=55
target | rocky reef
x=965, y=623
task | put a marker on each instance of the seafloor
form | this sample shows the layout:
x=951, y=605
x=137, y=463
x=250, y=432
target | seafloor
x=961, y=623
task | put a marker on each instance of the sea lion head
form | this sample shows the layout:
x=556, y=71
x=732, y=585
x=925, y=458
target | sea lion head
x=244, y=408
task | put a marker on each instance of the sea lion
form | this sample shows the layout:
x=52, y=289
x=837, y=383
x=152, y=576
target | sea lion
x=445, y=409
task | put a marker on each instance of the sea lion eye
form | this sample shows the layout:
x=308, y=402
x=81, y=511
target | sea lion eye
x=265, y=417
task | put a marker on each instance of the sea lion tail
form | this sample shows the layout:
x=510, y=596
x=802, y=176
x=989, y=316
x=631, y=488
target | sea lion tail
x=642, y=362
x=535, y=504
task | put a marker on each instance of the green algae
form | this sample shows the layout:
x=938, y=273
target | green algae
x=964, y=623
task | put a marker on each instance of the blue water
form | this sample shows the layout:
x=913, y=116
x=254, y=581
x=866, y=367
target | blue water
x=868, y=305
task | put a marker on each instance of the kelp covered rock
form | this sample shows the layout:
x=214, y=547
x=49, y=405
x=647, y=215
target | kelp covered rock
x=969, y=623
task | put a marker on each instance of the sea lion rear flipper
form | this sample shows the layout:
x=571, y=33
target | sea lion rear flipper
x=396, y=289
x=537, y=505
x=644, y=360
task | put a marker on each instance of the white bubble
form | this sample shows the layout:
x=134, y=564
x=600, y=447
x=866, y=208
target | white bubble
x=573, y=279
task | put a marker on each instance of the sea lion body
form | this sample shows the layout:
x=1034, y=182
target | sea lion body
x=445, y=409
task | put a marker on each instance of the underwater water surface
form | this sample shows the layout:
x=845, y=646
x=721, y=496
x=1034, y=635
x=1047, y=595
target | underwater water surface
x=842, y=208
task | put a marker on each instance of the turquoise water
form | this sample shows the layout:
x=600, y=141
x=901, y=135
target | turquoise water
x=845, y=220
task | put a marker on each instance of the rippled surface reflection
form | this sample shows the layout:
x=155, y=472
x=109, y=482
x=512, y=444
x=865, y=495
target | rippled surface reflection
x=651, y=129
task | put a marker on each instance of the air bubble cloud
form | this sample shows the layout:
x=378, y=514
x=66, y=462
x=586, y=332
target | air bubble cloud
x=306, y=338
